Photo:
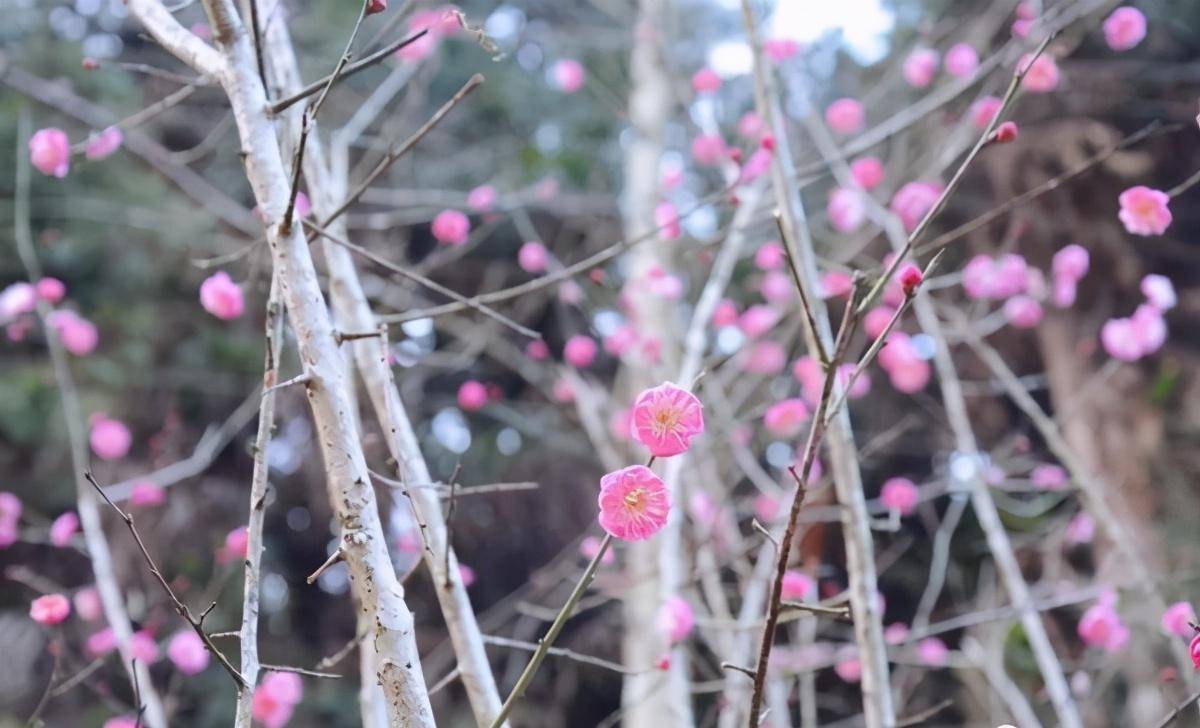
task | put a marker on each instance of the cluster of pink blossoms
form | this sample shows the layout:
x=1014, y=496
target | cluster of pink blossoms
x=1145, y=332
x=1102, y=627
x=50, y=149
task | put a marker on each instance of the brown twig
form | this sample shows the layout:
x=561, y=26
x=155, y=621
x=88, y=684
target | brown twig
x=301, y=671
x=181, y=608
x=448, y=583
x=924, y=715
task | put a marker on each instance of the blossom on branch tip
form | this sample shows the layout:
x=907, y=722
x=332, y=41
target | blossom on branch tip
x=1005, y=133
x=910, y=278
x=634, y=503
x=376, y=6
x=50, y=152
x=867, y=172
x=1177, y=619
x=666, y=418
x=798, y=586
x=104, y=144
x=1144, y=210
x=221, y=297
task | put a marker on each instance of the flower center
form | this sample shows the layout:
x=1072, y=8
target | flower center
x=665, y=420
x=633, y=498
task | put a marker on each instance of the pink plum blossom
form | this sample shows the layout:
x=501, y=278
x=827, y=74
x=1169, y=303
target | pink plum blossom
x=50, y=609
x=702, y=508
x=1124, y=28
x=900, y=495
x=984, y=110
x=481, y=198
x=472, y=395
x=1144, y=210
x=798, y=586
x=666, y=418
x=533, y=257
x=845, y=116
x=725, y=314
x=1120, y=339
x=110, y=439
x=567, y=75
x=770, y=256
x=867, y=172
x=187, y=652
x=1022, y=312
x=675, y=619
x=50, y=152
x=589, y=547
x=1102, y=627
x=1049, y=477
x=895, y=633
x=777, y=287
x=634, y=503
x=1080, y=529
x=237, y=543
x=709, y=150
x=451, y=227
x=276, y=698
x=121, y=721
x=786, y=418
x=1149, y=327
x=146, y=494
x=961, y=60
x=78, y=335
x=1194, y=651
x=621, y=341
x=848, y=666
x=1177, y=619
x=1041, y=73
x=861, y=385
x=87, y=604
x=17, y=299
x=666, y=219
x=466, y=575
x=706, y=81
x=1070, y=262
x=913, y=201
x=580, y=351
x=765, y=357
x=564, y=391
x=221, y=297
x=933, y=652
x=757, y=165
x=876, y=320
x=1159, y=292
x=537, y=350
x=758, y=320
x=836, y=284
x=50, y=290
x=64, y=528
x=780, y=49
x=920, y=67
x=751, y=126
x=846, y=209
x=104, y=144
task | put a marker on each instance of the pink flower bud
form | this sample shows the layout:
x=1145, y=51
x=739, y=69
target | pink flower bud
x=568, y=75
x=845, y=116
x=472, y=395
x=50, y=609
x=868, y=172
x=961, y=60
x=221, y=297
x=104, y=143
x=900, y=495
x=1124, y=28
x=63, y=529
x=706, y=81
x=1005, y=133
x=110, y=439
x=51, y=290
x=50, y=152
x=187, y=652
x=482, y=198
x=910, y=277
x=376, y=6
x=451, y=227
x=921, y=66
x=533, y=257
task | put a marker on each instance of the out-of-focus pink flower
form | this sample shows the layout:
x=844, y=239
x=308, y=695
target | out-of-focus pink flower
x=868, y=172
x=237, y=543
x=50, y=609
x=757, y=165
x=900, y=495
x=1041, y=75
x=1120, y=339
x=451, y=227
x=51, y=290
x=78, y=335
x=767, y=508
x=1049, y=477
x=666, y=418
x=466, y=575
x=835, y=284
x=1194, y=651
x=675, y=619
x=424, y=46
x=672, y=176
x=482, y=198
x=758, y=320
x=1063, y=292
x=770, y=256
x=706, y=81
x=985, y=278
x=777, y=287
x=895, y=633
x=666, y=219
x=1144, y=210
x=1178, y=618
x=221, y=297
x=765, y=358
x=845, y=116
x=921, y=66
x=621, y=341
x=798, y=586
x=538, y=350
x=63, y=529
x=861, y=385
x=143, y=647
x=786, y=419
x=751, y=126
x=634, y=503
x=1102, y=627
x=276, y=698
x=913, y=201
x=984, y=110
x=1159, y=292
x=1149, y=327
x=146, y=494
x=1070, y=262
x=846, y=209
x=101, y=643
x=1080, y=529
x=567, y=75
x=590, y=546
x=110, y=439
x=1006, y=132
x=533, y=257
x=848, y=666
x=910, y=376
x=1022, y=312
x=472, y=395
x=121, y=721
x=50, y=152
x=104, y=143
x=580, y=351
x=187, y=652
x=709, y=150
x=961, y=60
x=87, y=604
x=781, y=49
x=17, y=299
x=876, y=320
x=1124, y=28
x=933, y=652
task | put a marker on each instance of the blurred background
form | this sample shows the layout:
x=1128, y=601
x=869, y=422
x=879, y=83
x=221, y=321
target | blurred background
x=135, y=234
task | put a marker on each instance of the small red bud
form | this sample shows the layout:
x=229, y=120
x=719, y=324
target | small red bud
x=376, y=6
x=909, y=277
x=736, y=155
x=1194, y=651
x=1005, y=133
x=733, y=199
x=597, y=275
x=664, y=662
x=768, y=142
x=90, y=63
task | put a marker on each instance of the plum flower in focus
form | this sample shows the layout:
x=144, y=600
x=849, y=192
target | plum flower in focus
x=634, y=503
x=110, y=439
x=1177, y=619
x=900, y=495
x=1041, y=73
x=50, y=152
x=1144, y=210
x=63, y=529
x=451, y=227
x=221, y=297
x=567, y=75
x=276, y=698
x=913, y=201
x=104, y=143
x=187, y=652
x=961, y=60
x=920, y=67
x=675, y=619
x=666, y=418
x=1124, y=28
x=50, y=609
x=845, y=116
x=1102, y=627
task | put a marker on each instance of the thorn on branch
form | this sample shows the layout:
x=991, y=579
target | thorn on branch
x=335, y=557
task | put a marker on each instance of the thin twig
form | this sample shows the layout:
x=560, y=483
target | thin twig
x=560, y=652
x=301, y=671
x=450, y=525
x=924, y=715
